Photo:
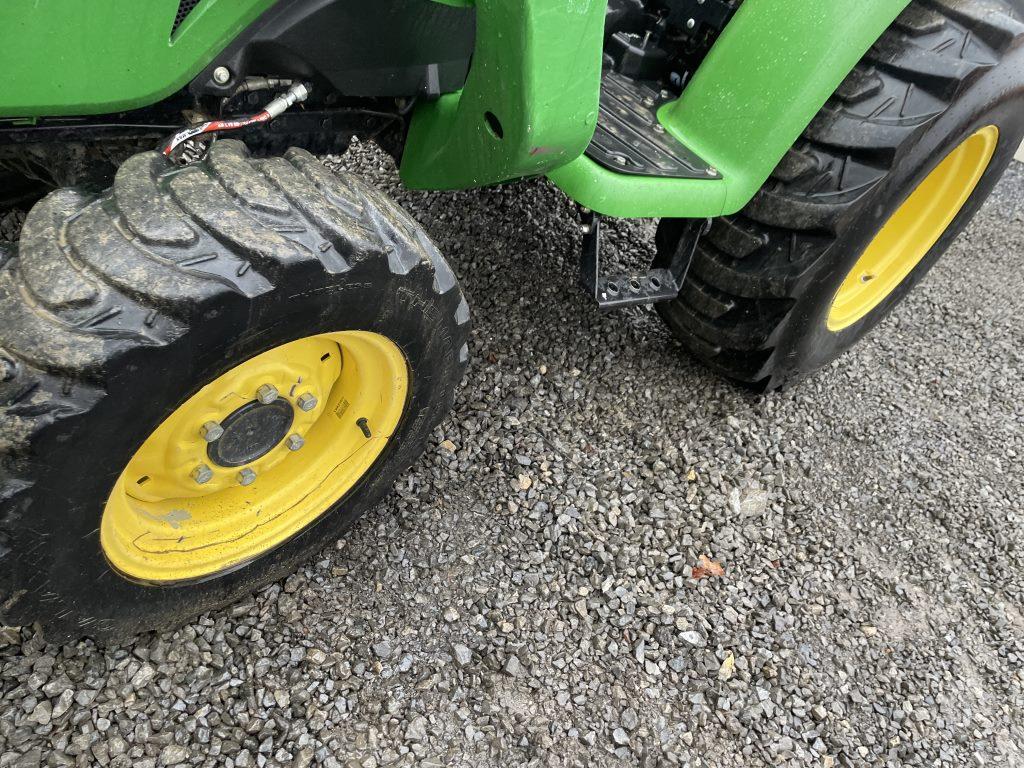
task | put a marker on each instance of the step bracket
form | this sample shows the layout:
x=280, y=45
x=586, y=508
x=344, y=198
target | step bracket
x=661, y=283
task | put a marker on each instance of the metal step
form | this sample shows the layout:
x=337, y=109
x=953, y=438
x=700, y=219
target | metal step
x=626, y=290
x=630, y=140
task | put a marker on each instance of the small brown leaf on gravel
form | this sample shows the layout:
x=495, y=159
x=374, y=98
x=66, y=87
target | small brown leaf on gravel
x=707, y=567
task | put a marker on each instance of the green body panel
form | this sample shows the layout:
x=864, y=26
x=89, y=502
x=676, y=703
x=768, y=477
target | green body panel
x=536, y=73
x=78, y=57
x=767, y=76
x=537, y=69
x=537, y=66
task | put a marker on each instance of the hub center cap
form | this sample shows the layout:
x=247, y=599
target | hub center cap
x=251, y=432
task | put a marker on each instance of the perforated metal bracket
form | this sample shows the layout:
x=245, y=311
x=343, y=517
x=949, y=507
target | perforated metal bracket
x=631, y=289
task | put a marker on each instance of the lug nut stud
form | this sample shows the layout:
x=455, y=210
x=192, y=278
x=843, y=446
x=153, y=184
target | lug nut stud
x=202, y=474
x=246, y=477
x=295, y=442
x=211, y=431
x=267, y=393
x=306, y=402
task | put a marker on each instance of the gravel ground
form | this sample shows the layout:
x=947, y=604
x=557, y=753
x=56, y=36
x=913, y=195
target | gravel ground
x=525, y=597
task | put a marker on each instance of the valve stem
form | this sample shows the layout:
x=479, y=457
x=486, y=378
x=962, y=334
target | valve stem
x=365, y=427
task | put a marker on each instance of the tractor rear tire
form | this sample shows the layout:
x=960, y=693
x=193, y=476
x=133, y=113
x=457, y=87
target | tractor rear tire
x=762, y=301
x=119, y=309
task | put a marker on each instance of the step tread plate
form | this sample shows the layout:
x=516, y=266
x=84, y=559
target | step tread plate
x=627, y=141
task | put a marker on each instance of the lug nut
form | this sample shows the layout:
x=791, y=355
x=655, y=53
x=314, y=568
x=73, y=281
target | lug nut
x=211, y=431
x=295, y=442
x=246, y=477
x=306, y=402
x=221, y=75
x=202, y=474
x=267, y=393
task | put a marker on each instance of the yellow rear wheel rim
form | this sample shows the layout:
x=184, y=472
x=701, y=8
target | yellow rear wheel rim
x=185, y=509
x=913, y=230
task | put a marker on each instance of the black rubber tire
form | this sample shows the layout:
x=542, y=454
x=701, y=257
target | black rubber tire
x=117, y=308
x=762, y=282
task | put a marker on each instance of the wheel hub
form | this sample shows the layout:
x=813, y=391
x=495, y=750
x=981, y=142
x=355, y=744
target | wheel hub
x=912, y=231
x=255, y=456
x=251, y=432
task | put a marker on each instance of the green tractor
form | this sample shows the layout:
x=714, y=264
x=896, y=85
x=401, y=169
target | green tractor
x=216, y=353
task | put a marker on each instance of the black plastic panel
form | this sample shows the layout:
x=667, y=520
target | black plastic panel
x=384, y=48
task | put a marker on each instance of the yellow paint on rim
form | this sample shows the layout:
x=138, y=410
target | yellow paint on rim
x=161, y=526
x=912, y=231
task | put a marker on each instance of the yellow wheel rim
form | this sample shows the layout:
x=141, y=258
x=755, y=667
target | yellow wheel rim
x=912, y=231
x=299, y=426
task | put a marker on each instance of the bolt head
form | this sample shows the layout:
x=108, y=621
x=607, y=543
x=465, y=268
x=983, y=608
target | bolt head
x=202, y=474
x=246, y=477
x=691, y=23
x=211, y=431
x=221, y=75
x=267, y=393
x=620, y=160
x=295, y=442
x=712, y=171
x=659, y=128
x=306, y=402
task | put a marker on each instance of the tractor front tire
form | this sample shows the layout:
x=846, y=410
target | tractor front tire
x=880, y=184
x=206, y=374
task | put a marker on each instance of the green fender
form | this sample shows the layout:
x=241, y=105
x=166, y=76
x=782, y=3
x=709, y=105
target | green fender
x=768, y=75
x=530, y=101
x=766, y=78
x=87, y=57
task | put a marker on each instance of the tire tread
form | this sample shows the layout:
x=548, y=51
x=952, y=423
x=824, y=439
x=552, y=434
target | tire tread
x=756, y=261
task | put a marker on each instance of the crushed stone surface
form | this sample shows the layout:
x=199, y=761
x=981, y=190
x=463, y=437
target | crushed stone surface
x=526, y=594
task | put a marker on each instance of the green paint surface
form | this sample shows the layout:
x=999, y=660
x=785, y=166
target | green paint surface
x=529, y=104
x=78, y=57
x=767, y=76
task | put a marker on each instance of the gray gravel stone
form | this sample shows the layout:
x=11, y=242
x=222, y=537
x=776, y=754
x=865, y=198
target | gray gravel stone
x=463, y=655
x=383, y=649
x=173, y=754
x=552, y=526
